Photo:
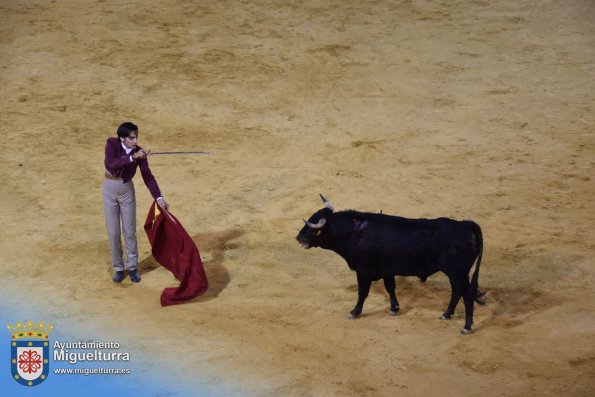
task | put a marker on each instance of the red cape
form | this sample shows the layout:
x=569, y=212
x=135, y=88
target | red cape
x=173, y=249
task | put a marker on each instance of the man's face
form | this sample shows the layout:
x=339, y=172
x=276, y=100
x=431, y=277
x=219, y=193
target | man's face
x=130, y=140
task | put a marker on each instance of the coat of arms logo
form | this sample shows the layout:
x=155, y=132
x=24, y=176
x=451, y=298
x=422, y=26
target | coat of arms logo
x=30, y=358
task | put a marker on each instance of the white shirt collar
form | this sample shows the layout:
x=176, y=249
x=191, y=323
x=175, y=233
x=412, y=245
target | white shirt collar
x=125, y=148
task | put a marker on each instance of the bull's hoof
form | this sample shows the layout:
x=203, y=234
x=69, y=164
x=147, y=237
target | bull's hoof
x=393, y=312
x=479, y=297
x=351, y=316
x=465, y=331
x=445, y=316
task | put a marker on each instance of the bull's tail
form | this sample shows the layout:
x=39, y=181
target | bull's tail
x=479, y=251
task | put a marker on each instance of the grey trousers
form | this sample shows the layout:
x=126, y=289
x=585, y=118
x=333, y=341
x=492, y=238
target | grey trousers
x=119, y=204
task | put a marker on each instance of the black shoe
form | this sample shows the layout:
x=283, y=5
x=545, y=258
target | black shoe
x=134, y=276
x=118, y=276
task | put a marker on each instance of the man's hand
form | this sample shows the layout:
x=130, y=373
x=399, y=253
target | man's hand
x=162, y=203
x=141, y=154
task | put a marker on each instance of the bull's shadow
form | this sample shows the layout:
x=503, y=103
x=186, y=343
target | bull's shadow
x=213, y=246
x=411, y=292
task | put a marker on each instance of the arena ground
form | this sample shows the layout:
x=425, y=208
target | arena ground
x=479, y=110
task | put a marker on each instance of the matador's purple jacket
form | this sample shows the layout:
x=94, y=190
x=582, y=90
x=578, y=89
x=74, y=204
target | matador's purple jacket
x=118, y=163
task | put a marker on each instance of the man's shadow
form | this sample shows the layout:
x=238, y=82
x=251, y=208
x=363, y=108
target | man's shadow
x=213, y=246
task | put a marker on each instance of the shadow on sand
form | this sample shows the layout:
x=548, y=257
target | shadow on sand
x=215, y=244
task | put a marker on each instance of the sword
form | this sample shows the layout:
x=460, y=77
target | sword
x=207, y=153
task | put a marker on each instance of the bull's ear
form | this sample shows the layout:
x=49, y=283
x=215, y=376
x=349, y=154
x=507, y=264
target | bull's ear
x=327, y=204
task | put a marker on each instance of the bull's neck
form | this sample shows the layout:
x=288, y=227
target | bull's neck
x=340, y=236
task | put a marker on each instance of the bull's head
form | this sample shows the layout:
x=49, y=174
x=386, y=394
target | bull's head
x=312, y=234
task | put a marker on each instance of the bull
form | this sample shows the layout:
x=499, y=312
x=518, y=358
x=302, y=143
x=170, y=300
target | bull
x=379, y=246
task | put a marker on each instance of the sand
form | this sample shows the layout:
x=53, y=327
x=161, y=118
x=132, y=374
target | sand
x=477, y=110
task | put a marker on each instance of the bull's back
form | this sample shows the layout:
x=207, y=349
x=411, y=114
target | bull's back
x=416, y=247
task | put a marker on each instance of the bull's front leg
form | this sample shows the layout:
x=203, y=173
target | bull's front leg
x=390, y=286
x=363, y=288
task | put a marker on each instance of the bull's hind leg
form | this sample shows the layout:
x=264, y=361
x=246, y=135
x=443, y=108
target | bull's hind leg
x=469, y=299
x=461, y=287
x=457, y=287
x=363, y=289
x=390, y=286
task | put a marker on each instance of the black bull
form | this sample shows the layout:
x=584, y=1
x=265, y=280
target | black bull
x=379, y=246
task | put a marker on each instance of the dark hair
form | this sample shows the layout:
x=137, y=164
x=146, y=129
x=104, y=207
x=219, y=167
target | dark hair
x=126, y=128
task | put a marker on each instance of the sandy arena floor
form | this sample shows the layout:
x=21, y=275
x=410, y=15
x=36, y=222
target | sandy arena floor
x=478, y=110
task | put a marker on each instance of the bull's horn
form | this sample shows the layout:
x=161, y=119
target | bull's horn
x=326, y=203
x=319, y=225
